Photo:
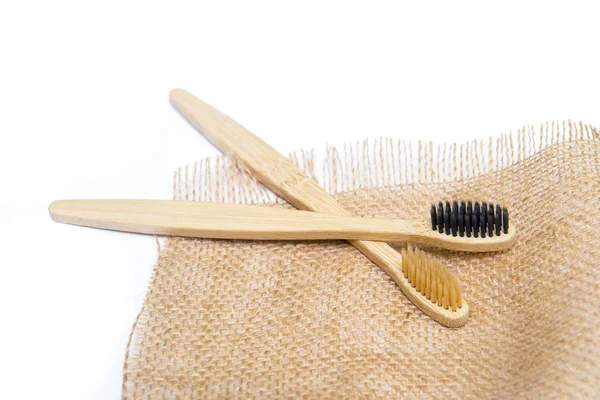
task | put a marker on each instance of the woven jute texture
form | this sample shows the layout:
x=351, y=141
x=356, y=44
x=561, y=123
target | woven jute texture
x=250, y=319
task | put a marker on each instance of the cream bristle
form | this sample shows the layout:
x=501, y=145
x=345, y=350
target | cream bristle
x=431, y=278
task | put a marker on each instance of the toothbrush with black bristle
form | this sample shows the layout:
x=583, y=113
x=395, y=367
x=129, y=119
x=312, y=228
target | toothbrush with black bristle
x=463, y=226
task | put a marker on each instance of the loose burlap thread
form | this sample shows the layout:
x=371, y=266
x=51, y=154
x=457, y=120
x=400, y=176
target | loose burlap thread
x=251, y=319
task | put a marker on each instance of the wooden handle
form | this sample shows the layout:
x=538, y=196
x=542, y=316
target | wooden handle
x=225, y=221
x=283, y=178
x=271, y=168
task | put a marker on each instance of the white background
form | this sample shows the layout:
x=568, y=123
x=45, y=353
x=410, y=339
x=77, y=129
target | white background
x=84, y=113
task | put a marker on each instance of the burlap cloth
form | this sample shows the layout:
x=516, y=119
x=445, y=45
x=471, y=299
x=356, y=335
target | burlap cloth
x=244, y=319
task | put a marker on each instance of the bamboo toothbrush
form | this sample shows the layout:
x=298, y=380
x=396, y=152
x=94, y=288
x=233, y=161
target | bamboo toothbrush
x=286, y=180
x=230, y=221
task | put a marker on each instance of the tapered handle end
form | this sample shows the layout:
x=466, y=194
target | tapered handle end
x=55, y=209
x=177, y=96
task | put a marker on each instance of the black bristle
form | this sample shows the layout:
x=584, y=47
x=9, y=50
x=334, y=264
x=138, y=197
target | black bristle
x=454, y=218
x=440, y=217
x=498, y=219
x=483, y=219
x=447, y=218
x=433, y=218
x=490, y=220
x=468, y=216
x=475, y=220
x=461, y=219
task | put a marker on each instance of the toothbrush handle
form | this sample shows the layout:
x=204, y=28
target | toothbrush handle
x=267, y=165
x=226, y=221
